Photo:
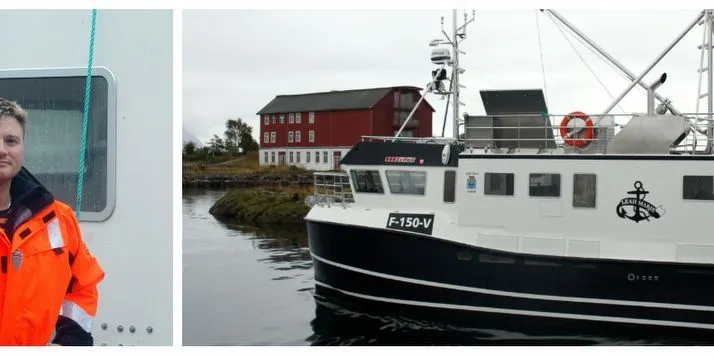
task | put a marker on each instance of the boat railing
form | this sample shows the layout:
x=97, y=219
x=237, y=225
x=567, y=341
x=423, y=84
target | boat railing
x=331, y=188
x=514, y=132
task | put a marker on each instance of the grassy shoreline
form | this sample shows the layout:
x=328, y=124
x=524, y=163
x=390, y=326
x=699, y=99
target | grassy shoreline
x=262, y=206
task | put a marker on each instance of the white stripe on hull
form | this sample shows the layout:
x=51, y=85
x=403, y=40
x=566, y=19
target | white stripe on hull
x=524, y=312
x=520, y=295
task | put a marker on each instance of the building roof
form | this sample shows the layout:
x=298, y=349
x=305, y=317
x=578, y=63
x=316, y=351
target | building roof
x=330, y=101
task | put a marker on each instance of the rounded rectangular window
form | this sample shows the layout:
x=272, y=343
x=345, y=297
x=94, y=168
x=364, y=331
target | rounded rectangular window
x=407, y=182
x=544, y=185
x=498, y=184
x=698, y=188
x=54, y=101
x=584, y=190
x=366, y=181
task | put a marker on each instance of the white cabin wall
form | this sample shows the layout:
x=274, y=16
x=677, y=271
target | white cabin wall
x=685, y=222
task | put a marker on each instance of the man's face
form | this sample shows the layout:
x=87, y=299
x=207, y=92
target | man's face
x=12, y=148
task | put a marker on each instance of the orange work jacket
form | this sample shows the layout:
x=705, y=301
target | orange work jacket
x=47, y=270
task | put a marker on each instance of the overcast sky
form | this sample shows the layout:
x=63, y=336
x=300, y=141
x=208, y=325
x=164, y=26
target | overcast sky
x=236, y=61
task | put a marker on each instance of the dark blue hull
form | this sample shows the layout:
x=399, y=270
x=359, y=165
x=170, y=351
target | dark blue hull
x=407, y=270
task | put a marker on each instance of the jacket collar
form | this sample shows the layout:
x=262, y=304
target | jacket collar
x=29, y=197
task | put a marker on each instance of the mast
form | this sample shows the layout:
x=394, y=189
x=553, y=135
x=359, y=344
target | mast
x=455, y=78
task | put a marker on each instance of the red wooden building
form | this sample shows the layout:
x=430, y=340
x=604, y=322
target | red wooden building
x=315, y=130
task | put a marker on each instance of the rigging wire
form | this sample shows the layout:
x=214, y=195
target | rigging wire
x=585, y=63
x=617, y=70
x=542, y=65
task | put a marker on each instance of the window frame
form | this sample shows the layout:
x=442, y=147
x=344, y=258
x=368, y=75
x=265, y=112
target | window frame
x=108, y=76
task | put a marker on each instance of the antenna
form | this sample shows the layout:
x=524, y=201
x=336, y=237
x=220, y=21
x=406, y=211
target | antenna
x=442, y=58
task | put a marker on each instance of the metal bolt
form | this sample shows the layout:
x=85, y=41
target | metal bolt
x=149, y=329
x=132, y=329
x=120, y=328
x=104, y=325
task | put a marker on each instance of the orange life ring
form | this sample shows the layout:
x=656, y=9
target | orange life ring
x=589, y=130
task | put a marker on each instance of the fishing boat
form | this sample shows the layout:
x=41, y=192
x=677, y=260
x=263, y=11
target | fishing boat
x=571, y=218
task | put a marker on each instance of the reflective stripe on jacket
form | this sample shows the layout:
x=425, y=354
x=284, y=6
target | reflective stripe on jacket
x=47, y=270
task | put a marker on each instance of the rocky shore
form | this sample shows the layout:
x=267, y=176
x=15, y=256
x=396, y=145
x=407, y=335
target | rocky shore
x=248, y=180
x=261, y=207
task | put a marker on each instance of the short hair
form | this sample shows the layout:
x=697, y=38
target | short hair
x=12, y=109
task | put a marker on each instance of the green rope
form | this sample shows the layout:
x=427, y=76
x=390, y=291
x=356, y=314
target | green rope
x=87, y=95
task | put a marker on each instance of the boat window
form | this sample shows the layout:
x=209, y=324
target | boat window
x=498, y=184
x=367, y=181
x=584, y=190
x=698, y=188
x=544, y=185
x=450, y=186
x=407, y=182
x=54, y=101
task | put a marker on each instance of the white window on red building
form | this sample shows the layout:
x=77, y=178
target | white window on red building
x=311, y=136
x=298, y=136
x=272, y=138
x=307, y=157
x=290, y=136
x=311, y=118
x=292, y=119
x=273, y=121
x=266, y=135
x=266, y=119
x=298, y=117
x=282, y=119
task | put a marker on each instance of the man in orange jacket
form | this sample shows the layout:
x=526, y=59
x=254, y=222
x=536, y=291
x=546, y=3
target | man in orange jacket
x=48, y=278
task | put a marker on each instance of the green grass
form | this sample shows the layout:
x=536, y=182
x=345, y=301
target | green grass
x=229, y=165
x=262, y=206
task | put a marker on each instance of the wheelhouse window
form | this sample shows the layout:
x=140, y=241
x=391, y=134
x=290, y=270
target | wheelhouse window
x=54, y=101
x=698, y=188
x=407, y=182
x=544, y=185
x=498, y=184
x=584, y=190
x=367, y=181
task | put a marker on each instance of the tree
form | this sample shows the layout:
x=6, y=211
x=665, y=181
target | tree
x=189, y=148
x=239, y=137
x=216, y=144
x=232, y=136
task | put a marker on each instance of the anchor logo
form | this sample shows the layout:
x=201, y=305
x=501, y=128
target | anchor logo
x=640, y=209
